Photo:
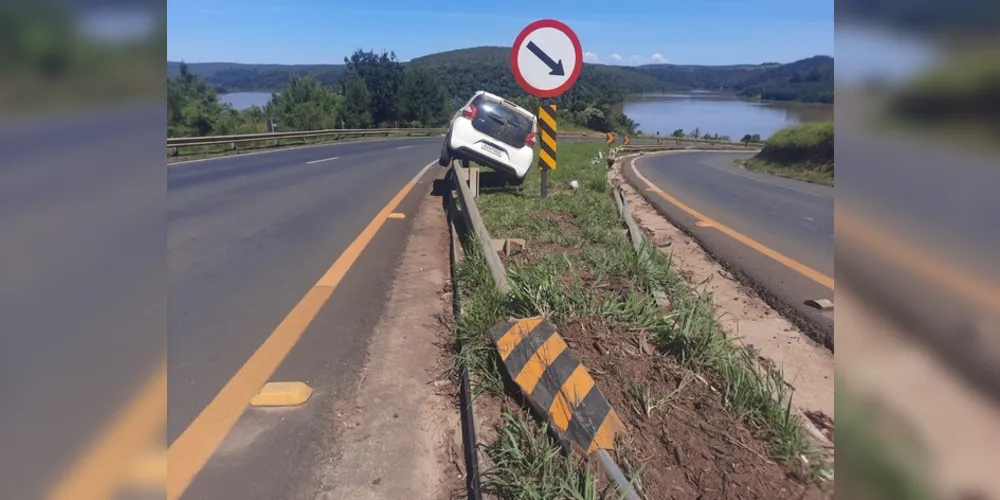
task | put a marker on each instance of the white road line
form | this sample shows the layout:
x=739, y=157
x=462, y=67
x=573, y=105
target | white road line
x=324, y=159
x=405, y=147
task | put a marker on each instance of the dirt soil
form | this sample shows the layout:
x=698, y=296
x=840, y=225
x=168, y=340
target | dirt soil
x=689, y=446
x=921, y=399
x=401, y=433
x=808, y=368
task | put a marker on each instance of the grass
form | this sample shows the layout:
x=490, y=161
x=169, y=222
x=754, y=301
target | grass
x=963, y=89
x=528, y=464
x=553, y=285
x=873, y=466
x=801, y=152
x=954, y=101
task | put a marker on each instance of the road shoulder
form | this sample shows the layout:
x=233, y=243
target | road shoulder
x=808, y=368
x=395, y=435
x=780, y=287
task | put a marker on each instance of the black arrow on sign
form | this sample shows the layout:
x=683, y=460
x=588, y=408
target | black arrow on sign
x=556, y=67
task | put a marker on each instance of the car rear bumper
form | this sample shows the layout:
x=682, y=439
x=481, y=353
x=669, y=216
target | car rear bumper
x=465, y=143
x=470, y=154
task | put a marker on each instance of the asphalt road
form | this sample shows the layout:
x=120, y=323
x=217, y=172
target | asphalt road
x=918, y=238
x=81, y=283
x=248, y=237
x=790, y=218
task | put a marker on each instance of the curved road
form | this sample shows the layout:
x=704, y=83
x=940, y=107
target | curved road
x=777, y=232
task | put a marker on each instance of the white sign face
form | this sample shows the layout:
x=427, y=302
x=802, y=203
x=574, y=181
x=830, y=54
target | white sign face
x=547, y=58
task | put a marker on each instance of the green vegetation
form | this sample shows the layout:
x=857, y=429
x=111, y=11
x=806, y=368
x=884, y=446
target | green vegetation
x=426, y=90
x=378, y=92
x=696, y=134
x=873, y=465
x=800, y=151
x=808, y=80
x=961, y=93
x=465, y=71
x=47, y=60
x=528, y=464
x=586, y=269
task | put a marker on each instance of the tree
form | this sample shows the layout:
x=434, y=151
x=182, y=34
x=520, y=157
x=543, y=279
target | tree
x=383, y=76
x=423, y=100
x=696, y=133
x=192, y=106
x=305, y=104
x=746, y=139
x=357, y=110
x=755, y=138
x=678, y=133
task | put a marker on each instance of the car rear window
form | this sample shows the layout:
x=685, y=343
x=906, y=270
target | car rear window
x=492, y=115
x=503, y=111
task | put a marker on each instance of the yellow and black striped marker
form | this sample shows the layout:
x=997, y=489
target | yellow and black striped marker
x=547, y=128
x=540, y=362
x=627, y=140
x=611, y=138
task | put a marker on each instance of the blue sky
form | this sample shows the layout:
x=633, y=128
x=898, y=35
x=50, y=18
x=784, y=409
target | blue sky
x=325, y=31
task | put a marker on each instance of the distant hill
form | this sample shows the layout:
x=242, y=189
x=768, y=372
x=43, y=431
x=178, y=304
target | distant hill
x=466, y=70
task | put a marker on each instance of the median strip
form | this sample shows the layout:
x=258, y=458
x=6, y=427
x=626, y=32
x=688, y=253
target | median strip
x=689, y=400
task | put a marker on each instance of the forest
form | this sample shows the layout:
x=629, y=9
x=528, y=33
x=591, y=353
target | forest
x=376, y=90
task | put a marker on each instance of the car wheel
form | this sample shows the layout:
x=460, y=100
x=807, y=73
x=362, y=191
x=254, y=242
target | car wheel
x=445, y=158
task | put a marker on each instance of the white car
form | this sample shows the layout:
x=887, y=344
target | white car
x=492, y=132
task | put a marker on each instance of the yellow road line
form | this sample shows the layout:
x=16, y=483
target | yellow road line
x=880, y=241
x=192, y=449
x=102, y=469
x=778, y=257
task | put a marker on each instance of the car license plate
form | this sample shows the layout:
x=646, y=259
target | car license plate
x=492, y=150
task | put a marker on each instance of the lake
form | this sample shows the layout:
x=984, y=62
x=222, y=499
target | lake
x=244, y=100
x=718, y=113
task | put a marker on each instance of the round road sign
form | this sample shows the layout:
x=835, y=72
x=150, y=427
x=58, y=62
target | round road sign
x=546, y=58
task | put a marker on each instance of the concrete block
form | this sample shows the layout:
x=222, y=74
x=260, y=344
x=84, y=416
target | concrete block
x=513, y=244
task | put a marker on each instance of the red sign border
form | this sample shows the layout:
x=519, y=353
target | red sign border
x=515, y=50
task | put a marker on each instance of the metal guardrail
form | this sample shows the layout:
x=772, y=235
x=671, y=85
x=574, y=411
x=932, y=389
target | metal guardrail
x=470, y=447
x=475, y=225
x=211, y=140
x=173, y=142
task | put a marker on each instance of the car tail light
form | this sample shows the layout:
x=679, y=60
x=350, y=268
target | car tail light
x=530, y=140
x=469, y=111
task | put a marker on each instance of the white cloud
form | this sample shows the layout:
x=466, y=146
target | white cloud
x=591, y=57
x=633, y=60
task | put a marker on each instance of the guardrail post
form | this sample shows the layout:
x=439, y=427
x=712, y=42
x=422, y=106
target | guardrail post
x=474, y=181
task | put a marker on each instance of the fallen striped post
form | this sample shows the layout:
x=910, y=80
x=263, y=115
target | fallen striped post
x=557, y=384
